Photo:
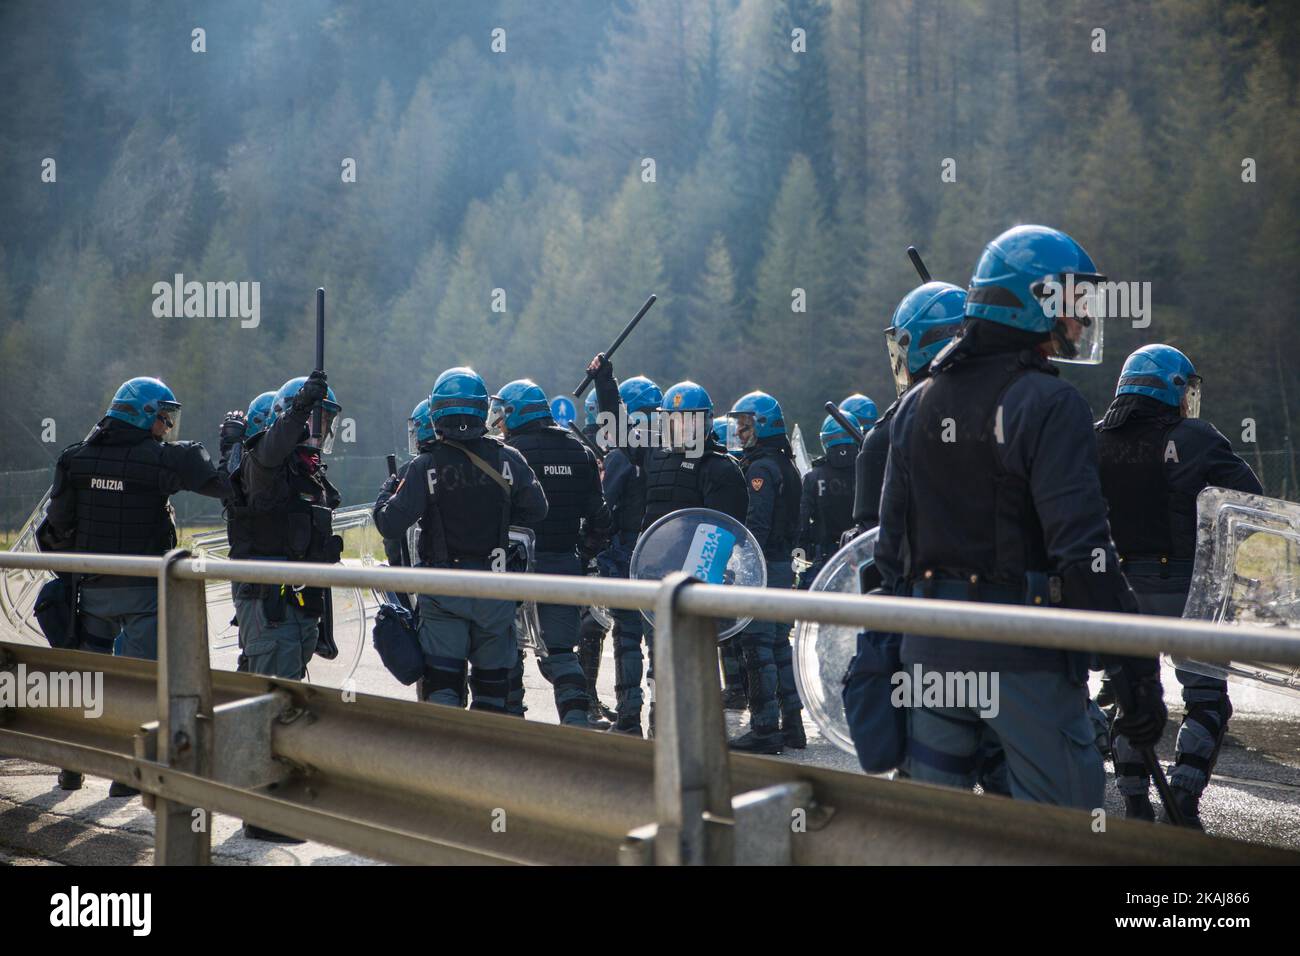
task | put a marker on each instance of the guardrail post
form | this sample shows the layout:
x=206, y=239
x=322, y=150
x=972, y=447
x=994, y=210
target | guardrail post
x=692, y=776
x=183, y=834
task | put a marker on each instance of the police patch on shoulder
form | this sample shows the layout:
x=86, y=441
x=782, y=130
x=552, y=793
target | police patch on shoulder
x=756, y=484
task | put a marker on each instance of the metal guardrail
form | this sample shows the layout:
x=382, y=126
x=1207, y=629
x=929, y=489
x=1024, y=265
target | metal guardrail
x=415, y=783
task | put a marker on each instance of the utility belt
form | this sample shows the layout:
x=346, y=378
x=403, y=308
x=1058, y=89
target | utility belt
x=464, y=562
x=278, y=598
x=1156, y=566
x=1040, y=589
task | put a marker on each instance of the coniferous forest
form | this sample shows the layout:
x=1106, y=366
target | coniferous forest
x=525, y=172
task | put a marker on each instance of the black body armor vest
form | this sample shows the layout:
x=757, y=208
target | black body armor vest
x=1137, y=493
x=122, y=486
x=567, y=473
x=833, y=482
x=966, y=516
x=467, y=516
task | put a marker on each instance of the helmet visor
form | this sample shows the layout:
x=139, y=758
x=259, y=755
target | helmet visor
x=1078, y=338
x=496, y=416
x=1192, y=398
x=686, y=431
x=412, y=437
x=896, y=341
x=741, y=433
x=325, y=440
x=170, y=414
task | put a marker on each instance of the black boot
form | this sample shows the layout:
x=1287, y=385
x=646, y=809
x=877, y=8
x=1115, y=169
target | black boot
x=792, y=730
x=631, y=726
x=1139, y=808
x=70, y=780
x=759, y=742
x=253, y=832
x=116, y=789
x=733, y=698
x=1189, y=805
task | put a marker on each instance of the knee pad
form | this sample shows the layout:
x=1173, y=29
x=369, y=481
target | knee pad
x=444, y=673
x=491, y=682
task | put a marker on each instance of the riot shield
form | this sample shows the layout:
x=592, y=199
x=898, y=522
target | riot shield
x=801, y=460
x=528, y=626
x=706, y=544
x=822, y=652
x=1247, y=570
x=19, y=588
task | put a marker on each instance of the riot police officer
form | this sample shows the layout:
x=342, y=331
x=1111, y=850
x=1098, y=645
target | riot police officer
x=465, y=491
x=110, y=496
x=826, y=502
x=1156, y=456
x=992, y=493
x=420, y=436
x=688, y=469
x=283, y=511
x=239, y=431
x=631, y=404
x=570, y=477
x=772, y=517
x=591, y=632
x=923, y=323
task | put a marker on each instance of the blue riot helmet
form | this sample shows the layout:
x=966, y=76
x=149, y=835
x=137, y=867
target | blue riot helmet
x=518, y=403
x=640, y=394
x=331, y=408
x=641, y=398
x=1163, y=373
x=833, y=432
x=592, y=408
x=757, y=415
x=419, y=427
x=143, y=401
x=923, y=323
x=1040, y=280
x=260, y=415
x=862, y=409
x=688, y=416
x=459, y=395
x=721, y=428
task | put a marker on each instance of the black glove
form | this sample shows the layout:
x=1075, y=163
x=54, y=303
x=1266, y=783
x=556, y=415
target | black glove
x=313, y=392
x=601, y=367
x=1140, y=711
x=232, y=431
x=389, y=486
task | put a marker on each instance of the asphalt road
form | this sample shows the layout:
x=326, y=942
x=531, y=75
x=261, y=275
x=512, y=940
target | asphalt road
x=1255, y=794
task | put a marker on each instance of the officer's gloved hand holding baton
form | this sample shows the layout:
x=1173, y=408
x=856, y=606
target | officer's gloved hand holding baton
x=601, y=368
x=1140, y=712
x=313, y=391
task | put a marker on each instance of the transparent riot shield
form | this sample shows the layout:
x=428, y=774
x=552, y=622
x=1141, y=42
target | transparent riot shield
x=822, y=652
x=801, y=460
x=528, y=626
x=706, y=544
x=1247, y=571
x=19, y=588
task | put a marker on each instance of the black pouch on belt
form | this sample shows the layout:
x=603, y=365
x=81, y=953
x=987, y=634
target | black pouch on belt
x=273, y=603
